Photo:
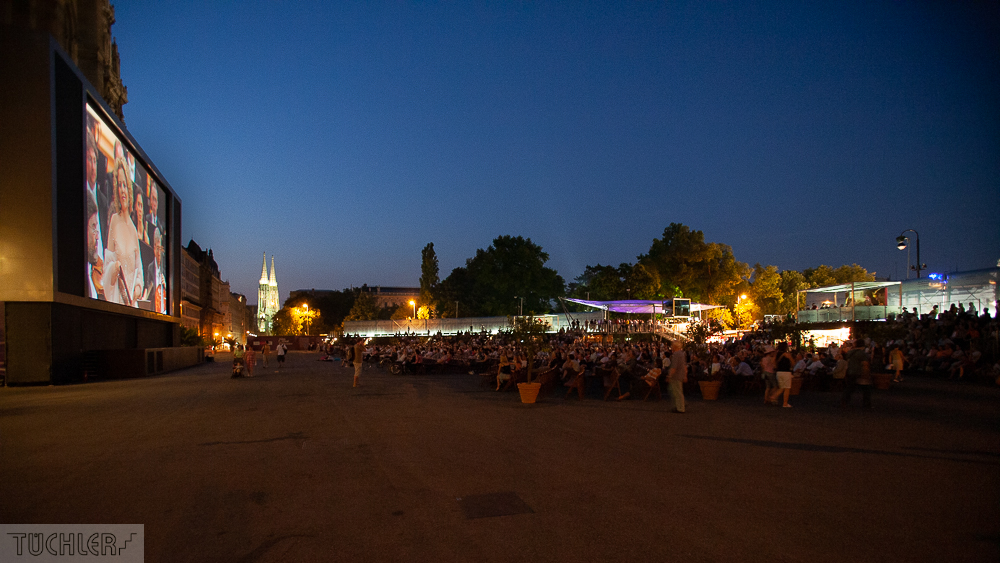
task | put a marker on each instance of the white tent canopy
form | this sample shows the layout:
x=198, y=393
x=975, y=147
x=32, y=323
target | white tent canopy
x=638, y=306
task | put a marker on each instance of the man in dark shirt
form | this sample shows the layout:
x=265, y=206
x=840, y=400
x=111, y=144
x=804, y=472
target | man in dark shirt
x=858, y=375
x=677, y=375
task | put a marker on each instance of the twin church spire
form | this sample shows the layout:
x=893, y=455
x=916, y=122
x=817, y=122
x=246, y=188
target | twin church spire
x=267, y=298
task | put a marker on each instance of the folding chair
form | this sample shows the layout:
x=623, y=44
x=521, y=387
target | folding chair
x=547, y=378
x=655, y=387
x=577, y=382
x=610, y=380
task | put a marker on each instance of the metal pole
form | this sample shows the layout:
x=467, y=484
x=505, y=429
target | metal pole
x=907, y=261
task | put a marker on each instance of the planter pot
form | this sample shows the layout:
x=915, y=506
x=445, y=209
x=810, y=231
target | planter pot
x=882, y=380
x=710, y=390
x=529, y=391
x=796, y=386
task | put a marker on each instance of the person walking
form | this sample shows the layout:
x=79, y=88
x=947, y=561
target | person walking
x=238, y=364
x=280, y=351
x=858, y=375
x=769, y=371
x=677, y=375
x=896, y=359
x=359, y=356
x=266, y=351
x=249, y=358
x=784, y=365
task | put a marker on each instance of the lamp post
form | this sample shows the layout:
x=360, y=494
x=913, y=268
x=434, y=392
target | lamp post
x=306, y=307
x=739, y=315
x=903, y=243
x=414, y=305
x=520, y=311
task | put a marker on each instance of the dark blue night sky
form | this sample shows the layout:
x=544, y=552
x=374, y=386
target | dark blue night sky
x=342, y=138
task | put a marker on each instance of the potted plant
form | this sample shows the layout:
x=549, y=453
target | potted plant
x=528, y=332
x=697, y=347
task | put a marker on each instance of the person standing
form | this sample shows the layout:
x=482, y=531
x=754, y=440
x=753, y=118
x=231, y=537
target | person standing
x=265, y=352
x=281, y=350
x=249, y=358
x=677, y=375
x=359, y=356
x=858, y=375
x=238, y=362
x=896, y=359
x=769, y=371
x=784, y=365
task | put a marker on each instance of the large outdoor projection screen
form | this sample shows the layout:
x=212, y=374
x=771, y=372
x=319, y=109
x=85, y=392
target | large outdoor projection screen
x=126, y=223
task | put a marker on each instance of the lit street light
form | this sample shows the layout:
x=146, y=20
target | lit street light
x=903, y=243
x=414, y=305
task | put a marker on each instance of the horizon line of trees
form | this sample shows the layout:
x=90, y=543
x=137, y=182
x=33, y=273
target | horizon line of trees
x=510, y=276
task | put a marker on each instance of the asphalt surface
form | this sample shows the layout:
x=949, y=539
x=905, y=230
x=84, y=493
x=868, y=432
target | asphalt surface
x=297, y=465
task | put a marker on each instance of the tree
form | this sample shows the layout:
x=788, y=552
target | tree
x=852, y=273
x=721, y=316
x=765, y=290
x=644, y=282
x=284, y=324
x=685, y=263
x=493, y=282
x=334, y=304
x=599, y=283
x=606, y=283
x=365, y=308
x=678, y=257
x=528, y=332
x=792, y=282
x=428, y=274
x=820, y=277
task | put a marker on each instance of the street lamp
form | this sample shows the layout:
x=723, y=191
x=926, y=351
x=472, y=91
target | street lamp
x=414, y=305
x=308, y=319
x=903, y=243
x=520, y=311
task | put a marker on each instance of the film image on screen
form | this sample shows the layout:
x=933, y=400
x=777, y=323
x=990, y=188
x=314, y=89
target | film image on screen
x=126, y=220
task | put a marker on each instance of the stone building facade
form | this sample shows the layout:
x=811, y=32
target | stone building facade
x=83, y=29
x=205, y=297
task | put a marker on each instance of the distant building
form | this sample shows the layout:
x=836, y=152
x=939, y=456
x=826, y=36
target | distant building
x=267, y=298
x=237, y=318
x=202, y=305
x=393, y=296
x=83, y=29
x=385, y=296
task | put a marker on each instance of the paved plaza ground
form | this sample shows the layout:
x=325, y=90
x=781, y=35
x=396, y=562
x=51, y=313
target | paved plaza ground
x=298, y=466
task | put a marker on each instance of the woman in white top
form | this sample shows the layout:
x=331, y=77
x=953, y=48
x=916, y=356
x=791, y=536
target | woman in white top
x=122, y=262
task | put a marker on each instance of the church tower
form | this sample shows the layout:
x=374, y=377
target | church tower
x=272, y=285
x=267, y=298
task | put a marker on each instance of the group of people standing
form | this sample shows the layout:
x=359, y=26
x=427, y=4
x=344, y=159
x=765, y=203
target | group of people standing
x=245, y=358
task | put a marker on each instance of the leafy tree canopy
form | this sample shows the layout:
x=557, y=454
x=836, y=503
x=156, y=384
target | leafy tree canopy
x=365, y=308
x=706, y=272
x=428, y=274
x=492, y=282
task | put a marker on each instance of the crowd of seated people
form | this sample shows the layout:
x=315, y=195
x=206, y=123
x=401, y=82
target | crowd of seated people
x=958, y=343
